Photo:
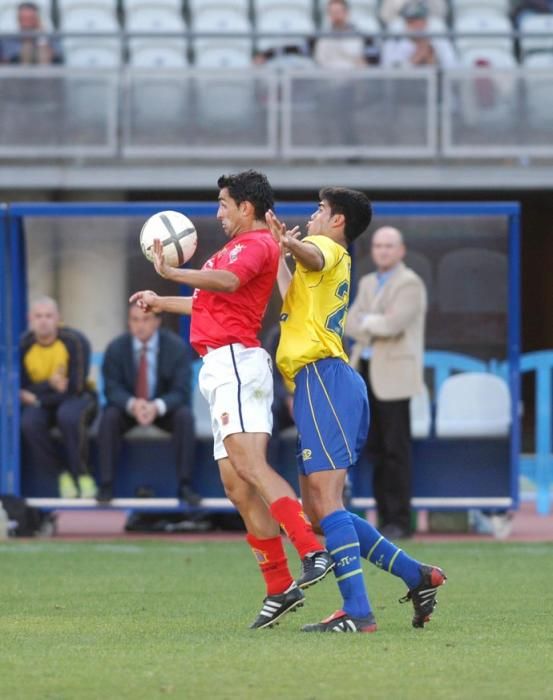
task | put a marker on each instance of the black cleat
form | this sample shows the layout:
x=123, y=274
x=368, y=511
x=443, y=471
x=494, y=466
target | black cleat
x=314, y=567
x=275, y=606
x=424, y=595
x=340, y=621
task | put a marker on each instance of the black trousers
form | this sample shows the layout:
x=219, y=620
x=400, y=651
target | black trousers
x=72, y=416
x=389, y=448
x=115, y=423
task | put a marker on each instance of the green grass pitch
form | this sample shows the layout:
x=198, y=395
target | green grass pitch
x=139, y=619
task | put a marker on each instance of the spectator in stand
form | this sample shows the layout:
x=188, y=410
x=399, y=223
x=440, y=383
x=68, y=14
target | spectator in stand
x=27, y=48
x=346, y=47
x=387, y=320
x=392, y=9
x=147, y=381
x=340, y=96
x=55, y=392
x=417, y=49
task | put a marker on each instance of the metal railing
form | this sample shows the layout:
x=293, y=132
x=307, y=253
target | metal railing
x=57, y=112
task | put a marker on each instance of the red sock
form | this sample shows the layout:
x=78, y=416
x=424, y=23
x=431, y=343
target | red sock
x=272, y=562
x=288, y=512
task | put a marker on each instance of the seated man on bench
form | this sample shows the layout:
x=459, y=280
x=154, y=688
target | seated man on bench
x=146, y=375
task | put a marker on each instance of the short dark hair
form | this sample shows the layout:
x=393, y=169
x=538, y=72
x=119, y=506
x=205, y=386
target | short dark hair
x=249, y=186
x=354, y=205
x=28, y=6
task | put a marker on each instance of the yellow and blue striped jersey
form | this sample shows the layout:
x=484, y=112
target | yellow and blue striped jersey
x=314, y=310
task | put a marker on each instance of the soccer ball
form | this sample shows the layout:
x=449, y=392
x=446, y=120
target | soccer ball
x=175, y=231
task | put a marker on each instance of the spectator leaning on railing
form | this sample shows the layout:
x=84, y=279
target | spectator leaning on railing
x=25, y=48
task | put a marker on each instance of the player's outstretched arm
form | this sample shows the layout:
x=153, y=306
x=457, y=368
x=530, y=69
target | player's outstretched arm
x=150, y=301
x=306, y=253
x=211, y=280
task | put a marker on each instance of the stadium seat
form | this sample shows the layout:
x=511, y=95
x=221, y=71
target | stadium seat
x=539, y=88
x=464, y=7
x=420, y=414
x=473, y=280
x=92, y=53
x=94, y=17
x=240, y=7
x=531, y=24
x=221, y=55
x=88, y=8
x=483, y=24
x=473, y=404
x=294, y=25
x=156, y=51
x=222, y=23
x=164, y=5
x=202, y=416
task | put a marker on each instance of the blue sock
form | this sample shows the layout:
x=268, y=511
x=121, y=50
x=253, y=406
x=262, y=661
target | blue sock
x=343, y=545
x=384, y=554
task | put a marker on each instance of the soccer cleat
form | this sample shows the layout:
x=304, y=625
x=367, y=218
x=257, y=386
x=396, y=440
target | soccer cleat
x=87, y=486
x=275, y=606
x=67, y=486
x=340, y=621
x=424, y=595
x=314, y=567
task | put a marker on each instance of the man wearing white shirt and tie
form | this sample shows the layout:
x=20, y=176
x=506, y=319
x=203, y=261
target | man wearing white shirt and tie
x=387, y=321
x=147, y=381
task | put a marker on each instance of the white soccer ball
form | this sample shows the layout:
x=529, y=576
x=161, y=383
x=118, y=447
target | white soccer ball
x=176, y=233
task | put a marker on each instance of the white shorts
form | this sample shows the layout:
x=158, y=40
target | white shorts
x=237, y=382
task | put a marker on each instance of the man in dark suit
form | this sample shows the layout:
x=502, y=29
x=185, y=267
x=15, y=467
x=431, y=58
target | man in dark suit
x=147, y=381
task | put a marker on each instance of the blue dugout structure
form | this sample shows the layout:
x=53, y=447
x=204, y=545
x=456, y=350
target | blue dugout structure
x=448, y=473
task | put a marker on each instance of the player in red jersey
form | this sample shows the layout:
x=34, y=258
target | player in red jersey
x=231, y=294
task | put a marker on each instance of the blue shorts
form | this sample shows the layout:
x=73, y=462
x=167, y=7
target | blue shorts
x=331, y=411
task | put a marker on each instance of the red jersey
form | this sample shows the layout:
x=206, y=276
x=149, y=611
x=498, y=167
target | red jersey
x=222, y=318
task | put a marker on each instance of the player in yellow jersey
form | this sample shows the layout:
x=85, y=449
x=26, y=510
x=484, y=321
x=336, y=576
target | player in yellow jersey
x=331, y=408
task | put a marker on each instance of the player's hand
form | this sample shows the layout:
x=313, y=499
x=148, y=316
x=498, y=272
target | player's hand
x=163, y=268
x=27, y=397
x=146, y=300
x=281, y=234
x=59, y=380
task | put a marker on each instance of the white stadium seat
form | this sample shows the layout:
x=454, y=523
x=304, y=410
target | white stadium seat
x=92, y=53
x=420, y=414
x=464, y=7
x=156, y=51
x=240, y=7
x=164, y=5
x=93, y=18
x=483, y=24
x=539, y=88
x=223, y=55
x=294, y=26
x=532, y=24
x=222, y=23
x=473, y=404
